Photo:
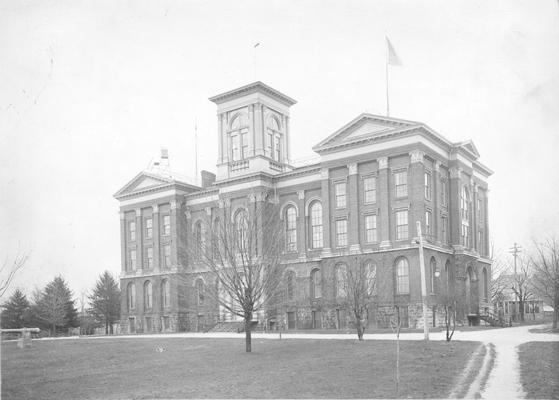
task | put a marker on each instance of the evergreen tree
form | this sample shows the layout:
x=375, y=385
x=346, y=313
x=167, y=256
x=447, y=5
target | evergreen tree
x=16, y=311
x=55, y=306
x=105, y=301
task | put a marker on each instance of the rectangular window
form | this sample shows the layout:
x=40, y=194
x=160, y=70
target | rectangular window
x=132, y=260
x=277, y=149
x=132, y=230
x=370, y=189
x=443, y=193
x=480, y=242
x=269, y=142
x=428, y=223
x=235, y=150
x=244, y=145
x=401, y=225
x=166, y=225
x=444, y=222
x=479, y=210
x=340, y=194
x=341, y=232
x=167, y=255
x=465, y=235
x=370, y=228
x=149, y=257
x=149, y=228
x=401, y=182
x=427, y=178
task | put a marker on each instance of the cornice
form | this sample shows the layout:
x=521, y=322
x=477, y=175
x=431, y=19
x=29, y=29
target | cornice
x=253, y=88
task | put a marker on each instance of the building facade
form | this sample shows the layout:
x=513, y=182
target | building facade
x=359, y=203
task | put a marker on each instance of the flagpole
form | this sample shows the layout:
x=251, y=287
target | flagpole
x=387, y=100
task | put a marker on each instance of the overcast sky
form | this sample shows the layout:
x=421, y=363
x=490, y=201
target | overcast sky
x=90, y=91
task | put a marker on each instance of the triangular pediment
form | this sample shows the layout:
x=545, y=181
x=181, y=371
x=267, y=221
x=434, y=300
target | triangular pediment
x=362, y=127
x=469, y=145
x=142, y=181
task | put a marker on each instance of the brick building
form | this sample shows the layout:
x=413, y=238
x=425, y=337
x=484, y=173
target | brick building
x=376, y=177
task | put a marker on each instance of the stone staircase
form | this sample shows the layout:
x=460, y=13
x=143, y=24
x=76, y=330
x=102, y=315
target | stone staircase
x=492, y=319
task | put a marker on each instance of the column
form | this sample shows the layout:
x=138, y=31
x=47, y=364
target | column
x=326, y=226
x=251, y=132
x=156, y=237
x=454, y=218
x=258, y=129
x=475, y=195
x=486, y=222
x=287, y=141
x=123, y=240
x=174, y=233
x=383, y=198
x=416, y=192
x=139, y=240
x=220, y=138
x=435, y=198
x=302, y=225
x=353, y=203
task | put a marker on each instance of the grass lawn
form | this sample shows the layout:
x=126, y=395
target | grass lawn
x=219, y=368
x=538, y=369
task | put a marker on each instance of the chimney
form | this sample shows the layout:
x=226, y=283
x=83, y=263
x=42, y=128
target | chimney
x=208, y=178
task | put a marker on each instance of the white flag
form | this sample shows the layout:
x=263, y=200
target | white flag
x=393, y=58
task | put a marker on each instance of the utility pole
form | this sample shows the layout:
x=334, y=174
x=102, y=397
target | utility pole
x=514, y=250
x=423, y=282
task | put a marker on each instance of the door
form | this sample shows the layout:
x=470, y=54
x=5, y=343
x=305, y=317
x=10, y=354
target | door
x=291, y=323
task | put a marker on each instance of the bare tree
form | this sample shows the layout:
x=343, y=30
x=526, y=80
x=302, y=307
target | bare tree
x=9, y=269
x=545, y=279
x=358, y=282
x=498, y=284
x=244, y=254
x=522, y=285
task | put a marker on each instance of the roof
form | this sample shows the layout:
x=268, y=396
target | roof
x=254, y=87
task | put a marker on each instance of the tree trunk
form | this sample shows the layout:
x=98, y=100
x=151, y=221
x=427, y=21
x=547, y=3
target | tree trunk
x=521, y=310
x=555, y=315
x=360, y=329
x=248, y=335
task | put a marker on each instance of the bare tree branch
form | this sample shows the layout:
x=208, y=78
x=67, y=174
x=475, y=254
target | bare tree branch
x=9, y=269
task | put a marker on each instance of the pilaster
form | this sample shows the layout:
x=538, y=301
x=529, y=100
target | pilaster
x=301, y=225
x=156, y=237
x=353, y=203
x=123, y=240
x=174, y=233
x=259, y=129
x=435, y=201
x=383, y=198
x=416, y=192
x=139, y=240
x=326, y=225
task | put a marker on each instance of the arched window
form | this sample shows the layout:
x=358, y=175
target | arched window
x=485, y=285
x=241, y=229
x=165, y=293
x=131, y=295
x=148, y=295
x=238, y=137
x=316, y=284
x=370, y=278
x=273, y=124
x=199, y=238
x=290, y=285
x=316, y=225
x=199, y=292
x=432, y=271
x=291, y=229
x=340, y=281
x=402, y=276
